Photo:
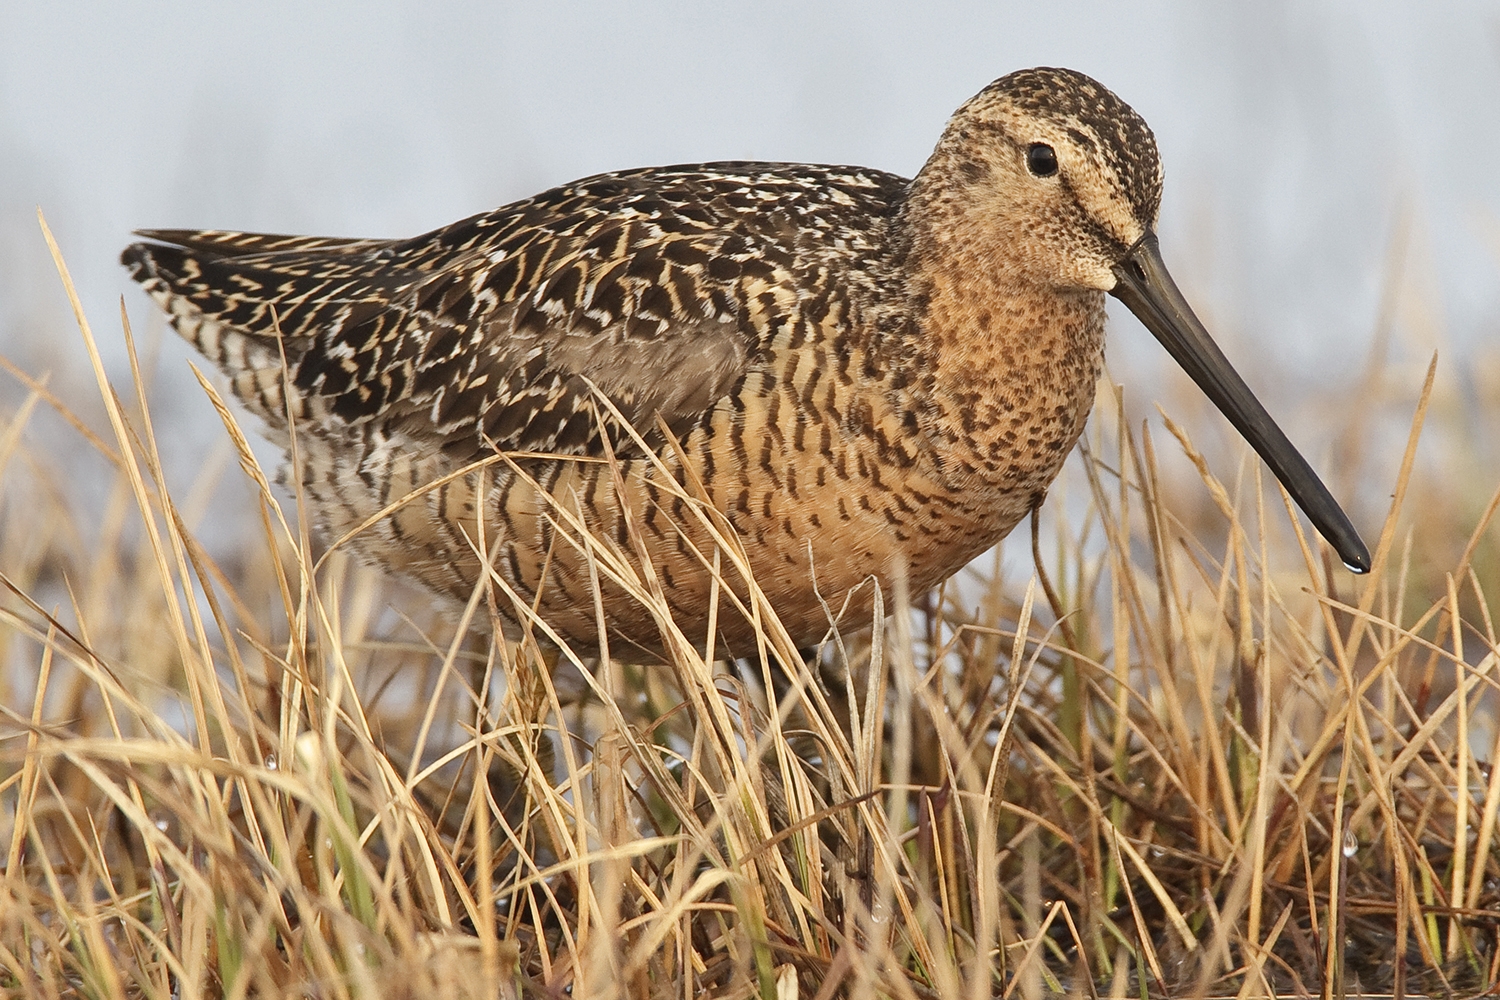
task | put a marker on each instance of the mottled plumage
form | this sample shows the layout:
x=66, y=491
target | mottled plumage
x=868, y=376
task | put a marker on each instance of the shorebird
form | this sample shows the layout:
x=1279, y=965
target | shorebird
x=866, y=377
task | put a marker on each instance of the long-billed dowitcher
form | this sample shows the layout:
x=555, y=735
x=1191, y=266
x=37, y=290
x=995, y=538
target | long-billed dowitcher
x=866, y=375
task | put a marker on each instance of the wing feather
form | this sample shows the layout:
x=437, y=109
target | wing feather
x=660, y=287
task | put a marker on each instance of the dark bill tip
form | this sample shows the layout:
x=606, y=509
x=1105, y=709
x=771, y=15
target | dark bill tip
x=1147, y=289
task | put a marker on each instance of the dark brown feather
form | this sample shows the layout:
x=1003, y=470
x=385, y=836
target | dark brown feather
x=489, y=332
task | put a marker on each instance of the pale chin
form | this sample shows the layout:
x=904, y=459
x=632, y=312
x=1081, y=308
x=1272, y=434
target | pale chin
x=1100, y=278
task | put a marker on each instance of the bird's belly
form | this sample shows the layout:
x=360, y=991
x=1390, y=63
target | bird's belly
x=816, y=518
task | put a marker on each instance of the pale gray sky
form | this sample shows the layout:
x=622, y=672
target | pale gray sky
x=1294, y=134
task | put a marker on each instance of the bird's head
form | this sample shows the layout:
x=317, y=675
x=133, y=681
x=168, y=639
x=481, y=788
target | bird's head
x=1051, y=169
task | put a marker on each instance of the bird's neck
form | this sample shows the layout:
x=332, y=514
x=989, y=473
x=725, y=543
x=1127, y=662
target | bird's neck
x=1013, y=363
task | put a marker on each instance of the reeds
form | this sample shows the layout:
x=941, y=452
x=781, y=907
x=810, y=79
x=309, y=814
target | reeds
x=1172, y=751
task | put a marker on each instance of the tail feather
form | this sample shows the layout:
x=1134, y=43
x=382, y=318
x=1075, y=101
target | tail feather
x=245, y=299
x=226, y=243
x=172, y=276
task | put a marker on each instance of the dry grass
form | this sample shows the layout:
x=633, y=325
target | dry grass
x=1230, y=769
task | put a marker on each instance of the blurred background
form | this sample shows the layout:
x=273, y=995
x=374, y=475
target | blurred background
x=1333, y=168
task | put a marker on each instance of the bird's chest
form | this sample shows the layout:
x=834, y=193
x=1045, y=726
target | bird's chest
x=853, y=464
x=1014, y=379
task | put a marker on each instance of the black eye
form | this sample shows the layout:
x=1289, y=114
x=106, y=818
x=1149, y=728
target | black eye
x=1041, y=159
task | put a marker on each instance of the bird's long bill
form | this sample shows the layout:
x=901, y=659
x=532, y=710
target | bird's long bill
x=1144, y=285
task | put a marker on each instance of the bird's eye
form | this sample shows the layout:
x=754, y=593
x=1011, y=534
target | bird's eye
x=1041, y=159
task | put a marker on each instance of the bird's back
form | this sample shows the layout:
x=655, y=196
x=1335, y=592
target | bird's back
x=659, y=286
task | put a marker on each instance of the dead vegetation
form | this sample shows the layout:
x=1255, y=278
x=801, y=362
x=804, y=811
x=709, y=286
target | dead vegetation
x=1229, y=768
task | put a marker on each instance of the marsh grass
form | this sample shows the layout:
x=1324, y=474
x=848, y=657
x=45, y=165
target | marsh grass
x=1180, y=753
